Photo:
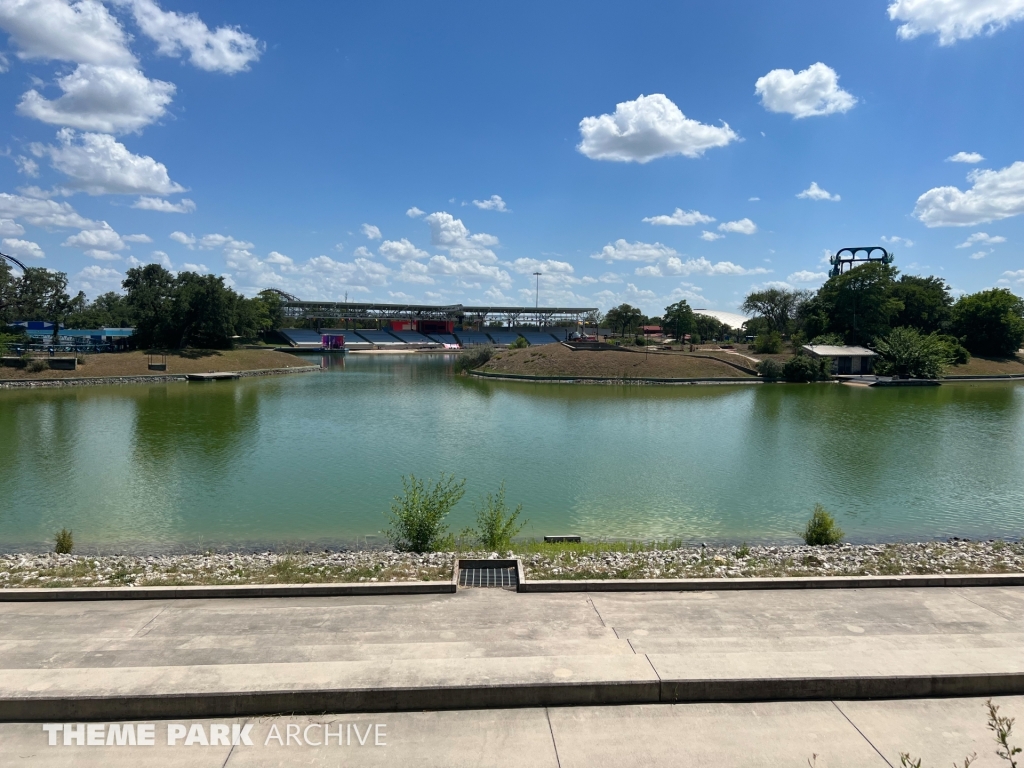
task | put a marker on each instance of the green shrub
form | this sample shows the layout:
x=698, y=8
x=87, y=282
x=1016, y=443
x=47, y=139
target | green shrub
x=496, y=526
x=37, y=364
x=63, y=542
x=803, y=368
x=907, y=353
x=769, y=370
x=829, y=340
x=768, y=343
x=519, y=343
x=473, y=359
x=955, y=351
x=417, y=517
x=822, y=529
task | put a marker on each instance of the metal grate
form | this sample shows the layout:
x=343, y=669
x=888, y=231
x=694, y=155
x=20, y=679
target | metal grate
x=503, y=578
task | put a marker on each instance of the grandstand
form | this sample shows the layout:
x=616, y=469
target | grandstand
x=472, y=338
x=535, y=338
x=444, y=338
x=503, y=338
x=302, y=337
x=380, y=338
x=412, y=337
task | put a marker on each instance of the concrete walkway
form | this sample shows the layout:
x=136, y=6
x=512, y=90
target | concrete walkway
x=827, y=734
x=493, y=648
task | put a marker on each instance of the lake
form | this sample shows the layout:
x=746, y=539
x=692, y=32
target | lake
x=314, y=459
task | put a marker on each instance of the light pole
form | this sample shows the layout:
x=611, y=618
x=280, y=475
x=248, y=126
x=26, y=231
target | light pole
x=536, y=304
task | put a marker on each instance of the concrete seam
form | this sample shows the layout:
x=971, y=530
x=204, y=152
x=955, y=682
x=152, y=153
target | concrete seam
x=599, y=616
x=661, y=683
x=858, y=730
x=983, y=607
x=146, y=625
x=230, y=752
x=551, y=730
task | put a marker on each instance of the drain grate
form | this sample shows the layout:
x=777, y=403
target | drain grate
x=503, y=578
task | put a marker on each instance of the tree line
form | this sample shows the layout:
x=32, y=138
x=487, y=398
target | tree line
x=171, y=311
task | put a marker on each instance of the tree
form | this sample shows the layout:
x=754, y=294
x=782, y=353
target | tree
x=40, y=294
x=625, y=318
x=859, y=304
x=8, y=284
x=108, y=310
x=708, y=327
x=990, y=322
x=149, y=292
x=907, y=353
x=777, y=306
x=202, y=312
x=679, y=319
x=927, y=303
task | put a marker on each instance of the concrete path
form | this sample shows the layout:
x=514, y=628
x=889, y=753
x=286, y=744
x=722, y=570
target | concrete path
x=493, y=648
x=824, y=734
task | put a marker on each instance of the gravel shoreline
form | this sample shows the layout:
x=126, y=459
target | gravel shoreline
x=586, y=561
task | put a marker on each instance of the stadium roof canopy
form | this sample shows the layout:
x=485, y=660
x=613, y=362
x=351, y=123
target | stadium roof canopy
x=350, y=310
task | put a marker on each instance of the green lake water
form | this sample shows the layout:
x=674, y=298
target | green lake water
x=314, y=459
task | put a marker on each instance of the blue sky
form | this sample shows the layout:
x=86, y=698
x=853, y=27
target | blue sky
x=444, y=152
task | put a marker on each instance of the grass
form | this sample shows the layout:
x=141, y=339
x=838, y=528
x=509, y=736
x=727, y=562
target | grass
x=186, y=361
x=988, y=366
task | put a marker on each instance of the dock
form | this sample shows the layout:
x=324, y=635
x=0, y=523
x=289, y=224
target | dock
x=212, y=376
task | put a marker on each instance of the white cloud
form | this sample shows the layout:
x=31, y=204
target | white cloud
x=651, y=270
x=648, y=128
x=22, y=249
x=1017, y=275
x=227, y=242
x=451, y=234
x=807, y=276
x=414, y=272
x=982, y=238
x=414, y=212
x=137, y=238
x=102, y=237
x=954, y=20
x=27, y=166
x=680, y=218
x=896, y=240
x=164, y=206
x=100, y=165
x=814, y=192
x=701, y=266
x=102, y=255
x=200, y=269
x=442, y=265
x=83, y=32
x=979, y=255
x=42, y=213
x=753, y=199
x=621, y=250
x=5, y=65
x=965, y=157
x=710, y=236
x=280, y=259
x=741, y=227
x=993, y=195
x=95, y=279
x=101, y=98
x=371, y=232
x=401, y=250
x=549, y=267
x=181, y=237
x=493, y=203
x=814, y=91
x=226, y=49
x=9, y=227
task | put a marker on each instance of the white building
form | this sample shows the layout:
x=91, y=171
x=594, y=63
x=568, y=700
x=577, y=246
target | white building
x=846, y=361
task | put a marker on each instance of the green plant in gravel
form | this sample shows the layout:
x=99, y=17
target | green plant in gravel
x=496, y=525
x=822, y=528
x=519, y=343
x=1002, y=729
x=63, y=542
x=37, y=365
x=417, y=517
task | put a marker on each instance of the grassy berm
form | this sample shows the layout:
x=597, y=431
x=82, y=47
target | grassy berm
x=184, y=361
x=559, y=360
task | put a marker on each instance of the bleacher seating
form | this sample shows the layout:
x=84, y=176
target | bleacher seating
x=378, y=337
x=503, y=338
x=301, y=337
x=411, y=337
x=560, y=334
x=472, y=338
x=443, y=338
x=536, y=338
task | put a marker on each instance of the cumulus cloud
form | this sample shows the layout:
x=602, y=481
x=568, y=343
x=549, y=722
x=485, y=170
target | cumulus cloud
x=710, y=236
x=896, y=240
x=954, y=20
x=83, y=32
x=181, y=237
x=401, y=250
x=549, y=267
x=414, y=212
x=753, y=199
x=414, y=272
x=451, y=234
x=101, y=255
x=814, y=192
x=226, y=49
x=9, y=227
x=227, y=242
x=812, y=92
x=668, y=261
x=103, y=237
x=741, y=227
x=648, y=128
x=200, y=269
x=22, y=249
x=279, y=258
x=493, y=203
x=27, y=166
x=965, y=157
x=621, y=250
x=95, y=279
x=42, y=213
x=807, y=276
x=442, y=265
x=101, y=98
x=371, y=232
x=164, y=206
x=137, y=238
x=993, y=195
x=702, y=266
x=979, y=255
x=679, y=218
x=982, y=238
x=100, y=165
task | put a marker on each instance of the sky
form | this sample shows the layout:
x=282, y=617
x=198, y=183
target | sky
x=444, y=152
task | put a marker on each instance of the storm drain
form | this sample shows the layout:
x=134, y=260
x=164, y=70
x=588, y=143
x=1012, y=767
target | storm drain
x=497, y=576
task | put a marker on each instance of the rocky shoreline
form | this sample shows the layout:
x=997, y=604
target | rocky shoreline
x=586, y=561
x=84, y=381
